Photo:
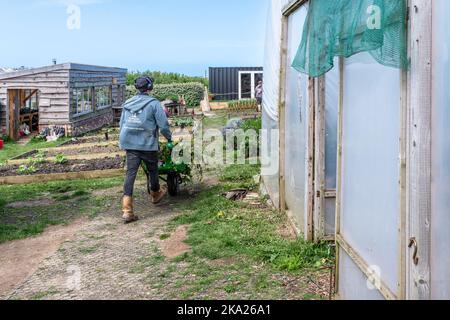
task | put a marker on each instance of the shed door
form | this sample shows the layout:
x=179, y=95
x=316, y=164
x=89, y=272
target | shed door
x=296, y=128
x=13, y=113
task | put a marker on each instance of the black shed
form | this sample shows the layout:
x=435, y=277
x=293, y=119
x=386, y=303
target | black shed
x=235, y=83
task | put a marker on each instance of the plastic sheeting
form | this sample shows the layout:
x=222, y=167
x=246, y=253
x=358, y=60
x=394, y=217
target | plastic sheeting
x=370, y=191
x=440, y=228
x=353, y=284
x=296, y=125
x=271, y=87
x=331, y=124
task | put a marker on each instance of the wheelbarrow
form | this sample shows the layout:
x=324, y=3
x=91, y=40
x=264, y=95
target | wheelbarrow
x=173, y=174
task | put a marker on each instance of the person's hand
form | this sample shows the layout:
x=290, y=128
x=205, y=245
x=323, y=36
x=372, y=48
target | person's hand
x=170, y=145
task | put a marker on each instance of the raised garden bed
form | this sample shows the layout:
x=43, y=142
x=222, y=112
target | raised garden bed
x=91, y=139
x=49, y=168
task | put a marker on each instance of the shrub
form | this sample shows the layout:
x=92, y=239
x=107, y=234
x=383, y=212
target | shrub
x=165, y=78
x=192, y=92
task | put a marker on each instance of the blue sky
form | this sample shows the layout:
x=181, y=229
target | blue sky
x=185, y=36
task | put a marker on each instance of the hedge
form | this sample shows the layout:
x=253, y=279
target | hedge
x=193, y=92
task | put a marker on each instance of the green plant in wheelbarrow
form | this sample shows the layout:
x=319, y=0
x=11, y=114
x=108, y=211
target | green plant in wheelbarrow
x=172, y=173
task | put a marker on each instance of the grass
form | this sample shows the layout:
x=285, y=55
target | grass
x=222, y=228
x=73, y=199
x=11, y=149
x=217, y=122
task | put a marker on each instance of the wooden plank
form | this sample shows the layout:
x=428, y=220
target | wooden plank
x=310, y=162
x=320, y=181
x=339, y=167
x=419, y=150
x=292, y=6
x=81, y=146
x=402, y=241
x=282, y=114
x=365, y=268
x=42, y=178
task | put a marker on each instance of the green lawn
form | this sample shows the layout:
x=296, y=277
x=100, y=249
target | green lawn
x=71, y=200
x=11, y=149
x=222, y=228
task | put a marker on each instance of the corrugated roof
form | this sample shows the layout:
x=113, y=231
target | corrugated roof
x=56, y=67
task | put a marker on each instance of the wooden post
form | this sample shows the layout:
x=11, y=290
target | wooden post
x=282, y=115
x=310, y=167
x=339, y=168
x=320, y=182
x=419, y=151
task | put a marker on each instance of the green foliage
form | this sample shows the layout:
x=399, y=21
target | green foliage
x=5, y=138
x=239, y=105
x=37, y=139
x=192, y=92
x=26, y=169
x=252, y=124
x=25, y=222
x=239, y=173
x=61, y=159
x=221, y=228
x=182, y=122
x=38, y=159
x=165, y=78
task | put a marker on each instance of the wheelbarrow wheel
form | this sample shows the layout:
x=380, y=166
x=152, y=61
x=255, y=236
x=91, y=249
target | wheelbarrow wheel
x=173, y=184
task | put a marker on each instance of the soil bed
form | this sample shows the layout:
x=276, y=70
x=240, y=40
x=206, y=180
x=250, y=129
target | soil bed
x=93, y=139
x=88, y=150
x=70, y=166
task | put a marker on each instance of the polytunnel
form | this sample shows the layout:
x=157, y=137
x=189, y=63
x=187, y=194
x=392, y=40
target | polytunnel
x=362, y=107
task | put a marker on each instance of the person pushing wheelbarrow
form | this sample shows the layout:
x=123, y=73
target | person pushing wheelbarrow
x=143, y=118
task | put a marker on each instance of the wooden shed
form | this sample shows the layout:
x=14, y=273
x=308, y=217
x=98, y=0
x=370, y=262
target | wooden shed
x=79, y=98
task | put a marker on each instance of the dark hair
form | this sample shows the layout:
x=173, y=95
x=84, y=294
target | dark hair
x=144, y=84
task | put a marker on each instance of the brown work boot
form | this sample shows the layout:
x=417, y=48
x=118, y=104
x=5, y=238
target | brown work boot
x=128, y=212
x=158, y=196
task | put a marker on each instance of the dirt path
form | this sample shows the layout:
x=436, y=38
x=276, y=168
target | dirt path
x=20, y=259
x=98, y=260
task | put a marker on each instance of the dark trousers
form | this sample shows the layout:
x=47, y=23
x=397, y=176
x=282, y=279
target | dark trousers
x=134, y=160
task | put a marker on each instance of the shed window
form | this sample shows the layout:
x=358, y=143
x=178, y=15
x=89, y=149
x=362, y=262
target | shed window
x=103, y=97
x=82, y=101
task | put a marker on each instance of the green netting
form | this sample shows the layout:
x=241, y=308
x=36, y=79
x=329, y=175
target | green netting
x=346, y=27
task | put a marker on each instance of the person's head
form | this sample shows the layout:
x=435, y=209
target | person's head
x=144, y=84
x=260, y=83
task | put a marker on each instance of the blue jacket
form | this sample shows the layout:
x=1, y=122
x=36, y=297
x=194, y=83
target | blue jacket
x=142, y=119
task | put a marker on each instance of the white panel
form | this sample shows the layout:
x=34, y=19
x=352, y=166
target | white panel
x=331, y=124
x=440, y=228
x=353, y=284
x=296, y=124
x=330, y=216
x=270, y=146
x=370, y=185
